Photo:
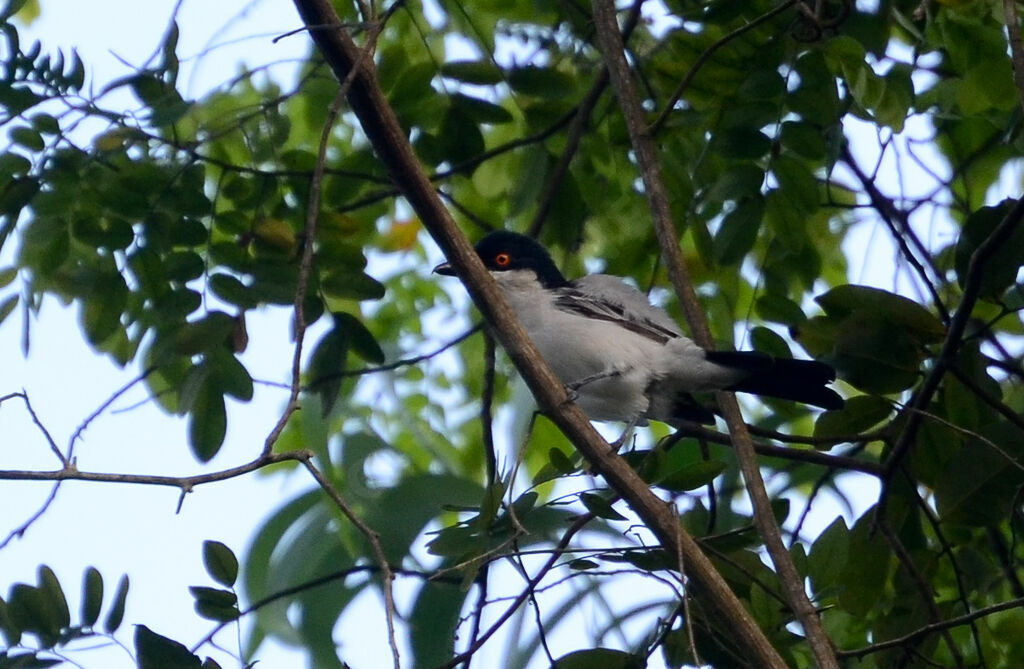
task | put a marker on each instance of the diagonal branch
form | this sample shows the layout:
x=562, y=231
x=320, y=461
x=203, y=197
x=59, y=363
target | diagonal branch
x=610, y=41
x=389, y=140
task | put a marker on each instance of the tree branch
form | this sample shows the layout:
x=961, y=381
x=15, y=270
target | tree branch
x=916, y=410
x=932, y=628
x=392, y=146
x=610, y=42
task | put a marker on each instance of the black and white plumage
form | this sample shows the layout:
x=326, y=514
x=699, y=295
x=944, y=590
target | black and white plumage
x=625, y=358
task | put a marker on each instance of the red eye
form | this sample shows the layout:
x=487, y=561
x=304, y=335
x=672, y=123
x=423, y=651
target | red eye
x=502, y=259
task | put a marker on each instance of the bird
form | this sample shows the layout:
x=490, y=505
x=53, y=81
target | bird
x=624, y=359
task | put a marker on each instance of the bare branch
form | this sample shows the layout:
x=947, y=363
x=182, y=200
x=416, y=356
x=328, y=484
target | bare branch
x=185, y=483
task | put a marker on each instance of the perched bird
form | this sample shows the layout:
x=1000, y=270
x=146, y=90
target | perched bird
x=624, y=358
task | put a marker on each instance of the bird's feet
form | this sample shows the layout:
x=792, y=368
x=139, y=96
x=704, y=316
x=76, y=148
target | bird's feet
x=572, y=388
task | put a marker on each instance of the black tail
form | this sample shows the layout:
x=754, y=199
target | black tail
x=798, y=380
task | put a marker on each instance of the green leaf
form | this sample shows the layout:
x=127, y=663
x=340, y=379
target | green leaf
x=101, y=313
x=543, y=82
x=8, y=306
x=220, y=562
x=865, y=573
x=738, y=232
x=478, y=72
x=691, y=476
x=360, y=339
x=116, y=613
x=796, y=183
x=210, y=332
x=804, y=139
x=232, y=290
x=326, y=366
x=214, y=604
x=1000, y=272
x=57, y=602
x=92, y=596
x=351, y=285
x=859, y=414
x=27, y=137
x=980, y=482
x=34, y=611
x=481, y=111
x=776, y=308
x=895, y=309
x=436, y=612
x=11, y=630
x=153, y=651
x=605, y=658
x=229, y=375
x=599, y=506
x=740, y=144
x=207, y=422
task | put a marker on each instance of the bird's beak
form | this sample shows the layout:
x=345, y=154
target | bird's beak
x=444, y=269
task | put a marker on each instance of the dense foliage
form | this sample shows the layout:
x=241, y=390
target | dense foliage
x=783, y=128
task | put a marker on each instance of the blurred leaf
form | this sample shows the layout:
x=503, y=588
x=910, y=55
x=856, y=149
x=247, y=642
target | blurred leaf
x=859, y=414
x=980, y=482
x=544, y=82
x=92, y=596
x=606, y=658
x=56, y=601
x=692, y=476
x=600, y=507
x=153, y=651
x=220, y=562
x=116, y=613
x=480, y=72
x=207, y=421
x=1000, y=272
x=738, y=232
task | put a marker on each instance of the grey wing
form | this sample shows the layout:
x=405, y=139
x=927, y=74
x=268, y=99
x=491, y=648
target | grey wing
x=609, y=298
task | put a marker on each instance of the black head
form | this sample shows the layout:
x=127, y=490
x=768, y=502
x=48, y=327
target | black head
x=503, y=251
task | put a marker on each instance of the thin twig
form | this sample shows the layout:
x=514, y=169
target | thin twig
x=184, y=483
x=312, y=216
x=610, y=42
x=387, y=575
x=705, y=56
x=531, y=583
x=391, y=143
x=103, y=407
x=958, y=324
x=932, y=628
x=924, y=588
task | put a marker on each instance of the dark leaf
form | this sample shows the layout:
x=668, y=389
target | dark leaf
x=116, y=613
x=605, y=658
x=738, y=232
x=479, y=72
x=92, y=596
x=692, y=476
x=599, y=506
x=207, y=421
x=220, y=562
x=153, y=651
